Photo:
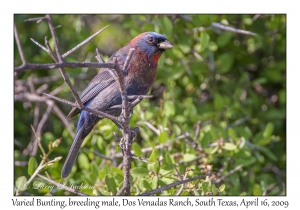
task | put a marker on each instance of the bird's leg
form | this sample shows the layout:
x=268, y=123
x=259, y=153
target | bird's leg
x=120, y=141
x=121, y=144
x=130, y=113
x=134, y=132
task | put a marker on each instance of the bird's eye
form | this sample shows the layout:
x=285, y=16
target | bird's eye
x=150, y=39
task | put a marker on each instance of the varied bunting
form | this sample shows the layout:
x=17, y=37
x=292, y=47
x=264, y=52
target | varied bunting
x=103, y=91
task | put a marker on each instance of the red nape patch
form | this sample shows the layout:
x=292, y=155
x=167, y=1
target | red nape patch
x=139, y=37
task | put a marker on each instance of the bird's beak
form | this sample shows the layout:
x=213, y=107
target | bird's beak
x=165, y=45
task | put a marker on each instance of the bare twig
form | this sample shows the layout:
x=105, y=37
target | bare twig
x=98, y=154
x=57, y=90
x=98, y=56
x=38, y=44
x=197, y=132
x=19, y=45
x=32, y=66
x=62, y=186
x=83, y=43
x=151, y=127
x=255, y=17
x=95, y=112
x=235, y=30
x=38, y=140
x=63, y=118
x=128, y=58
x=21, y=163
x=50, y=51
x=38, y=19
x=179, y=175
x=182, y=186
x=161, y=189
x=145, y=160
x=228, y=174
x=138, y=99
x=40, y=127
x=41, y=89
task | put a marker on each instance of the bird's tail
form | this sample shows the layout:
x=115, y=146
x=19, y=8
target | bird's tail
x=73, y=152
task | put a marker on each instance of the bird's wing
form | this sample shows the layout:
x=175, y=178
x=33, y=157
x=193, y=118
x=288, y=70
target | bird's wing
x=102, y=80
x=105, y=78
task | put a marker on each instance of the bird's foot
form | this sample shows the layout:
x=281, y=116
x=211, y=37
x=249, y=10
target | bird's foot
x=130, y=113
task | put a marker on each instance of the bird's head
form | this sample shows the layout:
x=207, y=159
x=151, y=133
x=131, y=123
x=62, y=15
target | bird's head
x=151, y=43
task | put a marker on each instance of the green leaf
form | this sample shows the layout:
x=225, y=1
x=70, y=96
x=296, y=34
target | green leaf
x=167, y=25
x=154, y=182
x=83, y=161
x=188, y=157
x=169, y=159
x=225, y=62
x=146, y=185
x=268, y=130
x=206, y=187
x=139, y=172
x=169, y=109
x=224, y=39
x=206, y=138
x=154, y=155
x=222, y=187
x=156, y=167
x=229, y=146
x=21, y=183
x=150, y=167
x=268, y=153
x=204, y=40
x=111, y=184
x=231, y=133
x=214, y=190
x=242, y=142
x=32, y=165
x=137, y=149
x=163, y=137
x=103, y=172
x=218, y=101
x=94, y=172
x=257, y=190
x=161, y=183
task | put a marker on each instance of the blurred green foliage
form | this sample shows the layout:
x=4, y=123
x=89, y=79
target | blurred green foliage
x=233, y=84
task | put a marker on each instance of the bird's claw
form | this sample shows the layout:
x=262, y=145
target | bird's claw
x=130, y=113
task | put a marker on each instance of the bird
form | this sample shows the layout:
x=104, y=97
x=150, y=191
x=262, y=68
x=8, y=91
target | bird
x=102, y=93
